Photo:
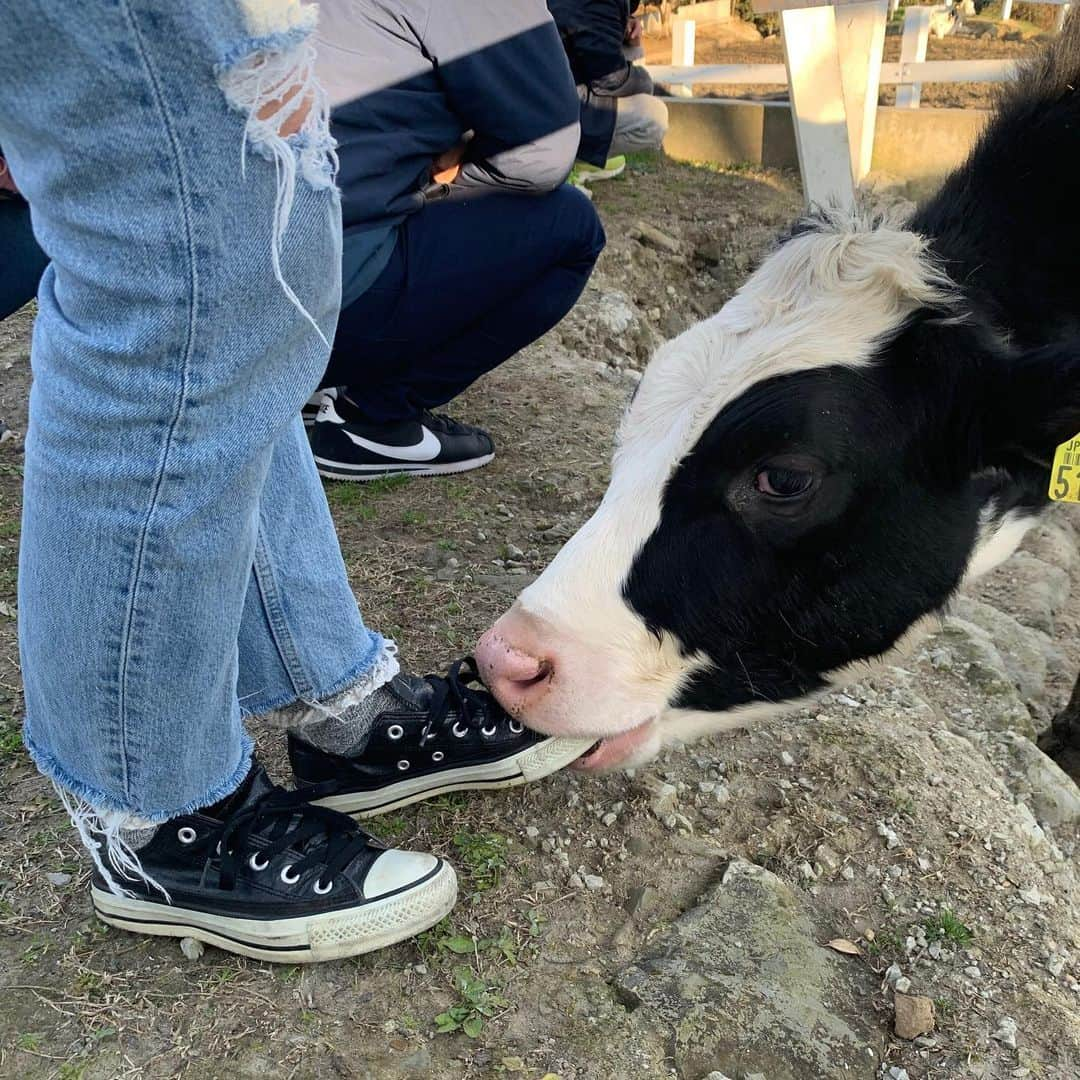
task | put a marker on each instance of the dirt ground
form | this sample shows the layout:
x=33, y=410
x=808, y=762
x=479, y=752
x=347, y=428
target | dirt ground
x=717, y=44
x=886, y=816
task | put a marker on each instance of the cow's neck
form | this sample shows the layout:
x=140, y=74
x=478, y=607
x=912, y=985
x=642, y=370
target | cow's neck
x=1007, y=223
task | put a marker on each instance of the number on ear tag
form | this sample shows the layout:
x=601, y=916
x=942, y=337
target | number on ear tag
x=1065, y=473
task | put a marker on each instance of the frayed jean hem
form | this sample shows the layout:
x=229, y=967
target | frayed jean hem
x=106, y=804
x=377, y=668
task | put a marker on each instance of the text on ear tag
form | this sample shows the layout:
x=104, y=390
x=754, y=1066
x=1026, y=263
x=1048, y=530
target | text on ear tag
x=1065, y=472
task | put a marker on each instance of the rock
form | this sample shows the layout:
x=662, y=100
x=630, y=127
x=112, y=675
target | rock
x=642, y=900
x=1054, y=797
x=653, y=237
x=969, y=652
x=786, y=759
x=902, y=985
x=829, y=859
x=594, y=882
x=887, y=833
x=58, y=880
x=1021, y=649
x=1006, y=1032
x=748, y=953
x=191, y=948
x=1037, y=591
x=914, y=1015
x=1050, y=541
x=418, y=1063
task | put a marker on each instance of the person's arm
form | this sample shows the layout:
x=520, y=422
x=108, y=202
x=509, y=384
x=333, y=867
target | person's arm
x=595, y=32
x=506, y=76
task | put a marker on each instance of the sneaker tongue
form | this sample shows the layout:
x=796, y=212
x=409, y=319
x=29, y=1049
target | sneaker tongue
x=252, y=787
x=413, y=690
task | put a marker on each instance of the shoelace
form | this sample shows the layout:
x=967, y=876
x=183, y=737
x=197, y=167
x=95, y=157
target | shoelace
x=445, y=423
x=453, y=696
x=325, y=838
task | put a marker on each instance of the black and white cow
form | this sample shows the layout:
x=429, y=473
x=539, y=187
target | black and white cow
x=802, y=479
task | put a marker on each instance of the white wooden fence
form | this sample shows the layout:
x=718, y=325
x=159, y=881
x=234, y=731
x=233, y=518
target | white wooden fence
x=833, y=68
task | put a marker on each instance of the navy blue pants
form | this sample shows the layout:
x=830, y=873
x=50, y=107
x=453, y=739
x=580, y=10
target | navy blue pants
x=468, y=285
x=21, y=260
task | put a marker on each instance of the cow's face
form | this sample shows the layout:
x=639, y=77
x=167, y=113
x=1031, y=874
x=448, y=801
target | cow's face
x=797, y=482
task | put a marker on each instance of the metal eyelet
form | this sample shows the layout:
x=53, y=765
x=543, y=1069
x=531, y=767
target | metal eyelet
x=516, y=727
x=322, y=889
x=438, y=756
x=402, y=765
x=254, y=863
x=487, y=732
x=288, y=876
x=217, y=848
x=459, y=731
x=186, y=835
x=395, y=731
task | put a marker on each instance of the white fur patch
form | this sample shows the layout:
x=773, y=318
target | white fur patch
x=997, y=539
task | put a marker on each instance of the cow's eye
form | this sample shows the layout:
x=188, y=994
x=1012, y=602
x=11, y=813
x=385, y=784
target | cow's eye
x=781, y=483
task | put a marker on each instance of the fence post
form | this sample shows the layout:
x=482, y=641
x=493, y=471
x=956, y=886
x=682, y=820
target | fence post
x=1006, y=10
x=683, y=35
x=913, y=51
x=817, y=105
x=860, y=34
x=1059, y=23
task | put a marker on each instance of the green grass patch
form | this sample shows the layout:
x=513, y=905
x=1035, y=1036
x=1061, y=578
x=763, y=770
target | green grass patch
x=945, y=926
x=483, y=855
x=477, y=1001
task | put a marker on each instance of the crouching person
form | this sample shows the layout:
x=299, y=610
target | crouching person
x=457, y=124
x=619, y=113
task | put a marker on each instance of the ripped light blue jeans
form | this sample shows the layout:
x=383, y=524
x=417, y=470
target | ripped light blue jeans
x=179, y=567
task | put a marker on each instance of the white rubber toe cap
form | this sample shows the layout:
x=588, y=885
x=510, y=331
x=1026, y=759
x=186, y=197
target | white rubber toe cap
x=395, y=870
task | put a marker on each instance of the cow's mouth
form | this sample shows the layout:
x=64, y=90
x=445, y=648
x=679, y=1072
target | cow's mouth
x=613, y=750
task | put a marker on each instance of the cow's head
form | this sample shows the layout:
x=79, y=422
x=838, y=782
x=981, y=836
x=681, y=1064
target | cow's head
x=799, y=480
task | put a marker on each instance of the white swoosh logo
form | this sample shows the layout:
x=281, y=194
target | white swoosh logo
x=427, y=449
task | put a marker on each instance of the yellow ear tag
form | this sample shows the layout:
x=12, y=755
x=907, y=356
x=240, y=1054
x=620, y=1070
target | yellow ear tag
x=1065, y=473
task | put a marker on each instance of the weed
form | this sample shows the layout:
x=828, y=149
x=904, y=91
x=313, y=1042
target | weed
x=413, y=517
x=483, y=854
x=945, y=926
x=72, y=1070
x=29, y=1040
x=11, y=744
x=885, y=941
x=392, y=826
x=478, y=1000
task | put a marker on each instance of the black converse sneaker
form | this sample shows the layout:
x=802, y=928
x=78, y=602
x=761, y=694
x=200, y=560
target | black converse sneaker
x=314, y=403
x=430, y=736
x=268, y=875
x=346, y=448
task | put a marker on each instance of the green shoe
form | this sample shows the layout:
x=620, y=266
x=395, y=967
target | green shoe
x=584, y=174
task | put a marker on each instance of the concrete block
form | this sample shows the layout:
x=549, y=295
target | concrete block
x=917, y=145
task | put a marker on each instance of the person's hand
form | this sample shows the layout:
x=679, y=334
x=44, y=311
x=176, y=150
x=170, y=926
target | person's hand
x=633, y=31
x=7, y=181
x=445, y=168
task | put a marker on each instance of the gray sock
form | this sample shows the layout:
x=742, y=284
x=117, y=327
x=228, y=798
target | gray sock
x=347, y=732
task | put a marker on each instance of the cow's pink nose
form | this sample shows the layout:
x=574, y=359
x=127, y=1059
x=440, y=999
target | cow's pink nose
x=516, y=677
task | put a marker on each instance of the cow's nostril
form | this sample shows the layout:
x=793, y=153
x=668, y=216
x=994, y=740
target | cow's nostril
x=543, y=673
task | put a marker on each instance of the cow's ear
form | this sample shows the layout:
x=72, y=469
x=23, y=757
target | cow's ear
x=1031, y=403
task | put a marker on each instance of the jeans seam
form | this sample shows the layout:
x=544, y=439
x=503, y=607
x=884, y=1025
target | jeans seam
x=137, y=573
x=266, y=581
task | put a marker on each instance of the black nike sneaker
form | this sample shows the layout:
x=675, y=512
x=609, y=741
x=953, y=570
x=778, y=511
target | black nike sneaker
x=430, y=736
x=314, y=403
x=269, y=875
x=346, y=448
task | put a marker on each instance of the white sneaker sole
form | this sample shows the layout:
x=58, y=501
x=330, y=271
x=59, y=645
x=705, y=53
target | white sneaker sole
x=532, y=764
x=302, y=940
x=336, y=470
